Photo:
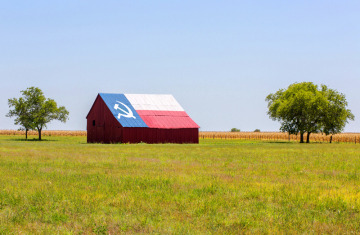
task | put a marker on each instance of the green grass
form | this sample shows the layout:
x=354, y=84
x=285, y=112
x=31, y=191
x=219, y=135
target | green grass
x=64, y=186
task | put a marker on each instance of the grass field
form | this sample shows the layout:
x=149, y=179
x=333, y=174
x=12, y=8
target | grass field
x=64, y=186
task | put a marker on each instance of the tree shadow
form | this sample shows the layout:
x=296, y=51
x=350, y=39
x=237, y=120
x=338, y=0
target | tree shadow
x=31, y=140
x=295, y=142
x=281, y=142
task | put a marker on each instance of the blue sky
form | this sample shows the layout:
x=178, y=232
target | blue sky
x=220, y=59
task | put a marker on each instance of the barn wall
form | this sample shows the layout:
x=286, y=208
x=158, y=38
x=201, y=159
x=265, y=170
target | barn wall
x=154, y=135
x=107, y=129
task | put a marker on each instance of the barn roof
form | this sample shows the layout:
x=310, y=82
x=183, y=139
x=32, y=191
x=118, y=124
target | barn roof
x=144, y=110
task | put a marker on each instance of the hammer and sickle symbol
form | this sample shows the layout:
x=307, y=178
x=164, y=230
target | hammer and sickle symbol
x=126, y=113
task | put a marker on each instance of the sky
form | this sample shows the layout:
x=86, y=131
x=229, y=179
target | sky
x=220, y=59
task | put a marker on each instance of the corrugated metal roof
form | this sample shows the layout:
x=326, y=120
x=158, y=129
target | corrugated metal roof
x=148, y=110
x=154, y=102
x=167, y=119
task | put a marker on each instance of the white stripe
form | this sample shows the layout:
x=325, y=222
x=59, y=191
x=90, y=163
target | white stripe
x=154, y=102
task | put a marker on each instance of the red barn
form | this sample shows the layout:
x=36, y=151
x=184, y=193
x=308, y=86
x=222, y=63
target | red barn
x=135, y=118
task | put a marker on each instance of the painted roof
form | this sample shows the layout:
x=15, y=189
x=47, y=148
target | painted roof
x=144, y=110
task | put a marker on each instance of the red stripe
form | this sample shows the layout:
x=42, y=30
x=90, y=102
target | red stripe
x=166, y=119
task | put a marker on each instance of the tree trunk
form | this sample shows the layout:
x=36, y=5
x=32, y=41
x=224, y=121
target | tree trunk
x=301, y=137
x=39, y=130
x=308, y=137
x=330, y=139
x=26, y=130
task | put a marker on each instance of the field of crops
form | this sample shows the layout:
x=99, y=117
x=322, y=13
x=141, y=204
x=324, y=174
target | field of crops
x=44, y=133
x=64, y=186
x=270, y=136
x=342, y=137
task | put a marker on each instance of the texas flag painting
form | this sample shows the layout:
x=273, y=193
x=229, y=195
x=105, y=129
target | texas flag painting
x=145, y=110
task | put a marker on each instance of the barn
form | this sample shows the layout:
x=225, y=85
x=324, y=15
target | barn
x=135, y=118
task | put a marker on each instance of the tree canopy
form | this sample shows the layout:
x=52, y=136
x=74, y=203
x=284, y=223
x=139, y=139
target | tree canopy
x=34, y=111
x=307, y=108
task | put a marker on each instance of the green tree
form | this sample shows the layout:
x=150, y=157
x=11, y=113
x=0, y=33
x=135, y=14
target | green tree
x=234, y=130
x=34, y=111
x=306, y=108
x=335, y=113
x=22, y=115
